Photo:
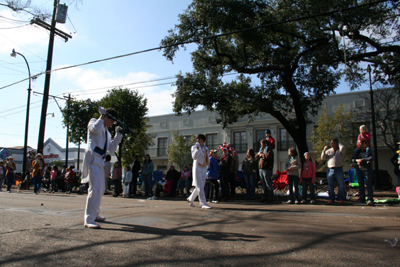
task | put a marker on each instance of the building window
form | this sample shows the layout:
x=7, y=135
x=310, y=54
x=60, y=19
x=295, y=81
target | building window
x=359, y=103
x=260, y=135
x=212, y=141
x=285, y=140
x=240, y=142
x=162, y=147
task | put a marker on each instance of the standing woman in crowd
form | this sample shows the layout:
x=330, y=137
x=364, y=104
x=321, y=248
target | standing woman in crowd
x=53, y=176
x=307, y=178
x=292, y=167
x=226, y=162
x=38, y=167
x=10, y=168
x=249, y=168
x=147, y=172
x=212, y=175
x=117, y=177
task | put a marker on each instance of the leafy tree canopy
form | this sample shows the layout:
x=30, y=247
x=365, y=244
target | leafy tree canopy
x=286, y=69
x=339, y=126
x=179, y=150
x=132, y=110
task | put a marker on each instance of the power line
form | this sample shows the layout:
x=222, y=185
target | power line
x=23, y=48
x=16, y=20
x=122, y=85
x=14, y=27
x=200, y=40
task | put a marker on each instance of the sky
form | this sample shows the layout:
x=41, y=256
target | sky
x=100, y=29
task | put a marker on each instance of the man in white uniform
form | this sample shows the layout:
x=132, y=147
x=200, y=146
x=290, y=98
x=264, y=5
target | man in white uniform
x=199, y=172
x=98, y=143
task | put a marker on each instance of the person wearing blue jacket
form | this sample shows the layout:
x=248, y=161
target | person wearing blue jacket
x=147, y=172
x=212, y=175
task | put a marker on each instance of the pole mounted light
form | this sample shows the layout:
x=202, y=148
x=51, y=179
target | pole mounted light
x=376, y=167
x=24, y=161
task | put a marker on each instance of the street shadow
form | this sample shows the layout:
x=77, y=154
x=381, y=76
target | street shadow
x=162, y=232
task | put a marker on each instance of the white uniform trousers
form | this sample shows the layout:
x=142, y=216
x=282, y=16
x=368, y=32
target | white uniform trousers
x=95, y=193
x=201, y=175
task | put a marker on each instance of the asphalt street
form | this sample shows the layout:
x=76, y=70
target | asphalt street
x=47, y=230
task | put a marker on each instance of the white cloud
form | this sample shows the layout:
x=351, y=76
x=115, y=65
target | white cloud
x=14, y=36
x=93, y=84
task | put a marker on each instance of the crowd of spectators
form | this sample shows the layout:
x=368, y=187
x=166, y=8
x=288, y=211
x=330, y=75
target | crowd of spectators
x=221, y=174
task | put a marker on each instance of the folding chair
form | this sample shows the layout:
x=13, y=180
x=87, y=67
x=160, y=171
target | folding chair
x=280, y=183
x=140, y=182
x=156, y=184
x=321, y=184
x=352, y=183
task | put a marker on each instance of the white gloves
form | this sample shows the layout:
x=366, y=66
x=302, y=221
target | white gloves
x=120, y=130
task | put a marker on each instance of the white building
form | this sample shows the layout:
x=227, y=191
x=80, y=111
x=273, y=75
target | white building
x=243, y=135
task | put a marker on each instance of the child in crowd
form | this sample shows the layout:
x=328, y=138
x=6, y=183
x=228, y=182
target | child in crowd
x=270, y=139
x=53, y=176
x=364, y=134
x=126, y=180
x=307, y=178
x=292, y=167
x=181, y=183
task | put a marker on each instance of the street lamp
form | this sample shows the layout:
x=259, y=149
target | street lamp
x=376, y=167
x=14, y=54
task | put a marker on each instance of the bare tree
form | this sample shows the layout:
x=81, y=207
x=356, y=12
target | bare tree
x=387, y=115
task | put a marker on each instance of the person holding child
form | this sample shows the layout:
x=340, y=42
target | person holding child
x=307, y=178
x=265, y=166
x=362, y=160
x=127, y=180
x=292, y=167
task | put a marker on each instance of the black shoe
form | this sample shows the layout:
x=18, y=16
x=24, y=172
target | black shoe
x=270, y=200
x=263, y=200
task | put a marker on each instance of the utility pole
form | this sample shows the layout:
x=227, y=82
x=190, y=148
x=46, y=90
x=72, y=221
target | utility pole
x=47, y=81
x=377, y=183
x=53, y=31
x=66, y=150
